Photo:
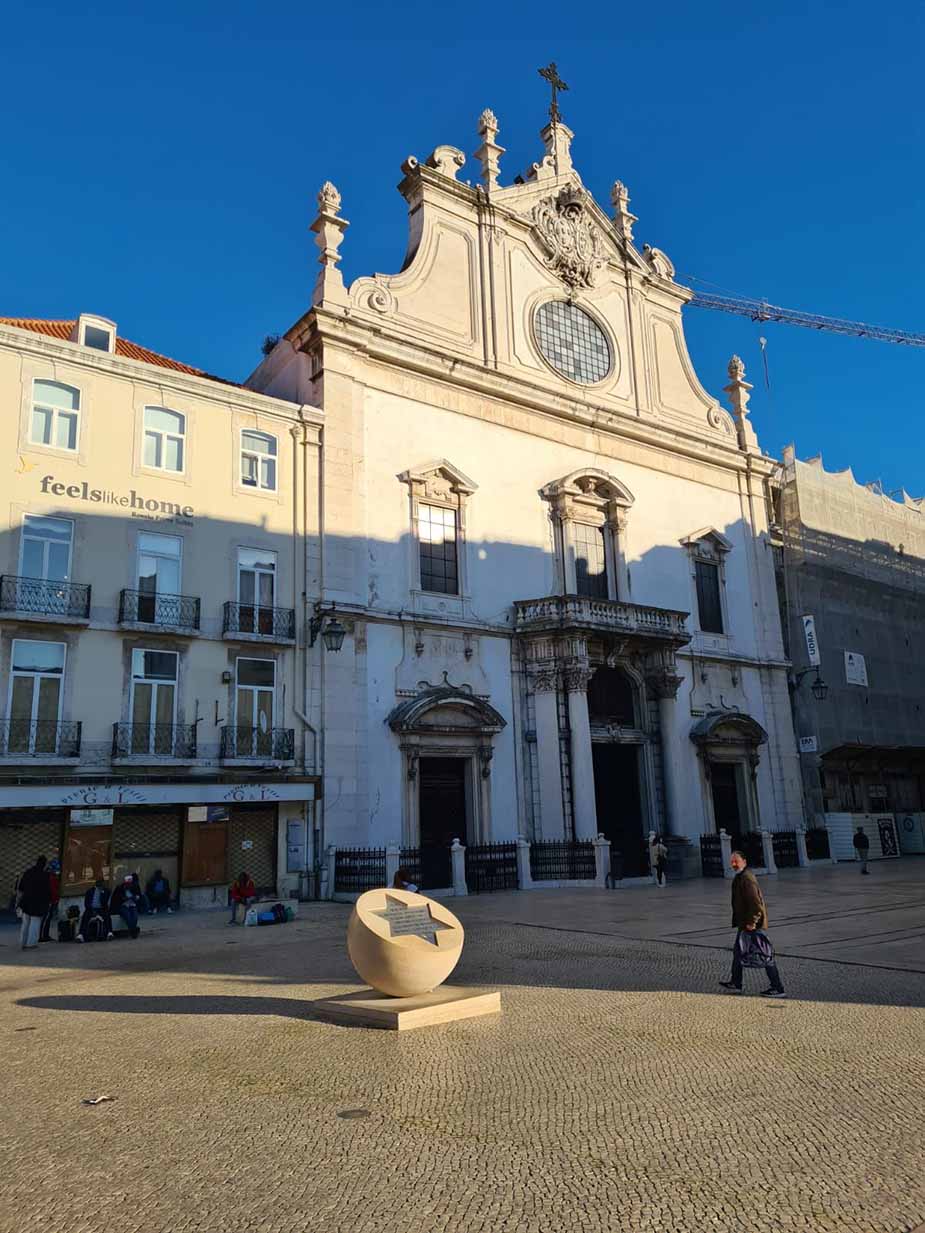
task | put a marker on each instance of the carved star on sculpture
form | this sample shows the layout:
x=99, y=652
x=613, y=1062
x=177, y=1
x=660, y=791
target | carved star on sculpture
x=411, y=920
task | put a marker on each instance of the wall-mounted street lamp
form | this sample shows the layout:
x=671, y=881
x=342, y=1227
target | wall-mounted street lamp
x=331, y=630
x=819, y=689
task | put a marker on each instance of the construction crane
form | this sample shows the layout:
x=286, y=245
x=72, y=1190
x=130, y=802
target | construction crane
x=761, y=310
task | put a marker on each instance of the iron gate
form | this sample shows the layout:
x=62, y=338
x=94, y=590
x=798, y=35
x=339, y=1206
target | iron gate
x=711, y=856
x=785, y=849
x=562, y=861
x=359, y=869
x=491, y=867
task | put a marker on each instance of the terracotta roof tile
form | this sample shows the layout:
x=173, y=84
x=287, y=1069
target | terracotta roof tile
x=131, y=351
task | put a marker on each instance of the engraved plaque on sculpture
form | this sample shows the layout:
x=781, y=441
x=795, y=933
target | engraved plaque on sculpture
x=402, y=943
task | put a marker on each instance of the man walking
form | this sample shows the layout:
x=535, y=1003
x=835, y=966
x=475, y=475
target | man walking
x=861, y=847
x=749, y=912
x=34, y=902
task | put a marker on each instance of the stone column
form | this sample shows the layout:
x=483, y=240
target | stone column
x=392, y=862
x=524, y=880
x=802, y=854
x=458, y=862
x=331, y=865
x=584, y=807
x=665, y=685
x=552, y=817
x=725, y=847
x=767, y=844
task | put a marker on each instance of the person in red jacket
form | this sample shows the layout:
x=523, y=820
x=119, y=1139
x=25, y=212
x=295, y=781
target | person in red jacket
x=54, y=890
x=244, y=892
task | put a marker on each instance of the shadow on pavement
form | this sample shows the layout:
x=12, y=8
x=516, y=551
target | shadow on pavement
x=288, y=1008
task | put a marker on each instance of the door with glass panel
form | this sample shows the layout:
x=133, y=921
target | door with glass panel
x=44, y=561
x=159, y=560
x=254, y=706
x=35, y=697
x=154, y=702
x=256, y=590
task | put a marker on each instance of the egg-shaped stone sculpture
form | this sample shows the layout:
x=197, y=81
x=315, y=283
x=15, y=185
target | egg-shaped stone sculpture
x=402, y=943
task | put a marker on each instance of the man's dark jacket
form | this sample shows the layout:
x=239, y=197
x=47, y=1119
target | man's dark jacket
x=35, y=891
x=748, y=906
x=861, y=842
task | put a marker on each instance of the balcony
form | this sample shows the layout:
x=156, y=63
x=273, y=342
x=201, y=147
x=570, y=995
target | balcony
x=252, y=623
x=175, y=614
x=254, y=745
x=581, y=614
x=39, y=599
x=149, y=743
x=39, y=742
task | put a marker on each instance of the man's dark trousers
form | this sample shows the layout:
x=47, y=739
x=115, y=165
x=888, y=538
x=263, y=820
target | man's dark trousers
x=771, y=969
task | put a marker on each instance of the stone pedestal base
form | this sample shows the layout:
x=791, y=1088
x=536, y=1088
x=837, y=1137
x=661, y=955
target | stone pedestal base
x=444, y=1005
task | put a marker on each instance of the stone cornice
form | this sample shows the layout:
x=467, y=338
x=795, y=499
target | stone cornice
x=27, y=342
x=392, y=352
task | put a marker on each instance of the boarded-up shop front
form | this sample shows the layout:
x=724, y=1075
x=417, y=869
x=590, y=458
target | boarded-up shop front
x=24, y=835
x=221, y=842
x=147, y=839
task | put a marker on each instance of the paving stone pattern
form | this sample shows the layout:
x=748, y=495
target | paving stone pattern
x=617, y=1091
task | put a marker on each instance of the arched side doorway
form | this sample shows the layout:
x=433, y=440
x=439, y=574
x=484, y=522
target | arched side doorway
x=727, y=745
x=446, y=737
x=621, y=755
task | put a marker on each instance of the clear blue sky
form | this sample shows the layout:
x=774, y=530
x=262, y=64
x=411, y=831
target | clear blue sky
x=159, y=166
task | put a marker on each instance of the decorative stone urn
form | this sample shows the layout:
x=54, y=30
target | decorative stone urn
x=401, y=943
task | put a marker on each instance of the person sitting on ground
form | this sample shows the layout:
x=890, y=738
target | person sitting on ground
x=243, y=892
x=158, y=892
x=34, y=899
x=861, y=847
x=125, y=903
x=96, y=907
x=403, y=881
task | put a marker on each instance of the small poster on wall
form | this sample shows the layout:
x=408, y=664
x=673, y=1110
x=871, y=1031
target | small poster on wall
x=91, y=817
x=855, y=668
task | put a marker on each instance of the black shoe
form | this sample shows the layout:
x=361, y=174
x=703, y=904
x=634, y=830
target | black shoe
x=730, y=987
x=772, y=993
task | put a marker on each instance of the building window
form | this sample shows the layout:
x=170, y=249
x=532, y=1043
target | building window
x=437, y=539
x=153, y=701
x=590, y=560
x=98, y=338
x=255, y=690
x=164, y=437
x=34, y=708
x=159, y=562
x=258, y=460
x=46, y=548
x=256, y=590
x=709, y=604
x=55, y=415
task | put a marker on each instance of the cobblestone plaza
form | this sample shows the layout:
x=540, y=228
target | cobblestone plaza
x=618, y=1089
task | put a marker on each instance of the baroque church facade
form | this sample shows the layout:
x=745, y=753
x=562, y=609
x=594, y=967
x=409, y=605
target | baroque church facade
x=547, y=542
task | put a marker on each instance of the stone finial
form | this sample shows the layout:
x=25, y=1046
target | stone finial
x=622, y=217
x=489, y=152
x=557, y=161
x=329, y=231
x=447, y=160
x=738, y=390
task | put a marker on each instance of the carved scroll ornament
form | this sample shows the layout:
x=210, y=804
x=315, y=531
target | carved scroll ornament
x=575, y=245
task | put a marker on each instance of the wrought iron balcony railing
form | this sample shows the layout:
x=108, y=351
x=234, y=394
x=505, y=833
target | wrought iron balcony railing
x=554, y=612
x=39, y=738
x=68, y=600
x=273, y=624
x=154, y=741
x=144, y=608
x=252, y=744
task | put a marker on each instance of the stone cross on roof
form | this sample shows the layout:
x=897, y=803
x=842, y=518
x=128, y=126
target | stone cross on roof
x=551, y=74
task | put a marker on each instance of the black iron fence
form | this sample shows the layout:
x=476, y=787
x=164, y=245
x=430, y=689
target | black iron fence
x=491, y=867
x=629, y=859
x=711, y=856
x=69, y=600
x=257, y=744
x=429, y=867
x=817, y=843
x=176, y=611
x=359, y=869
x=154, y=740
x=270, y=623
x=565, y=861
x=39, y=738
x=785, y=849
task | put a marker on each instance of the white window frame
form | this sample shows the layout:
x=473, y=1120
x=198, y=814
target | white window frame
x=258, y=573
x=255, y=689
x=593, y=498
x=86, y=321
x=164, y=436
x=710, y=547
x=140, y=551
x=442, y=485
x=24, y=535
x=152, y=722
x=35, y=692
x=36, y=405
x=245, y=452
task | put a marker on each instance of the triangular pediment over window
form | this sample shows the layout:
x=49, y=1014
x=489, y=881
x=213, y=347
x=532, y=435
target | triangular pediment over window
x=708, y=536
x=437, y=473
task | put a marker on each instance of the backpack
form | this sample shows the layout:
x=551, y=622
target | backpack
x=96, y=929
x=66, y=930
x=755, y=949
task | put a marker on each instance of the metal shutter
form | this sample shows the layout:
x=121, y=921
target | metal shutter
x=24, y=835
x=257, y=826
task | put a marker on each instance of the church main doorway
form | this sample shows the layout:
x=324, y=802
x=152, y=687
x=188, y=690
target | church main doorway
x=442, y=816
x=618, y=799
